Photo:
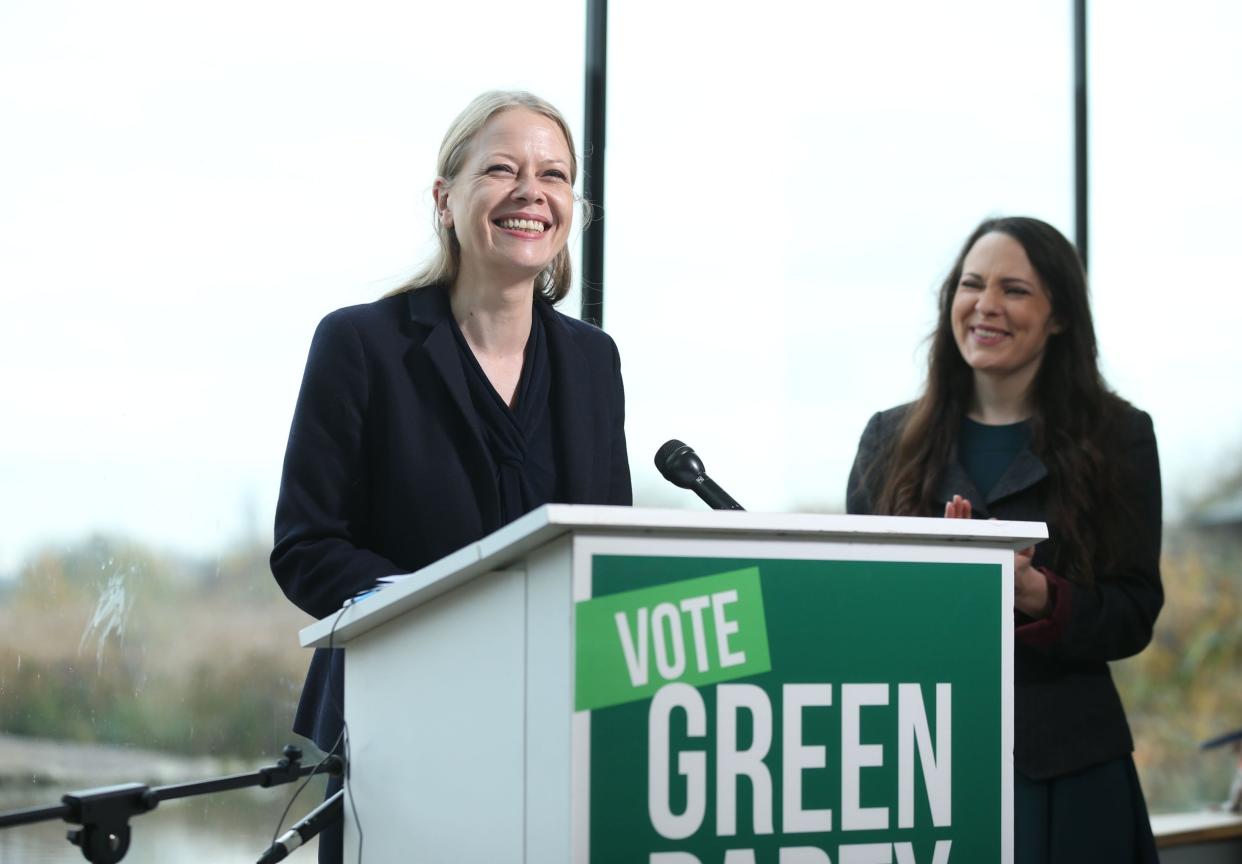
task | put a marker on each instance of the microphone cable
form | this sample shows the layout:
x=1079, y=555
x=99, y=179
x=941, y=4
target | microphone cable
x=341, y=744
x=343, y=740
x=303, y=831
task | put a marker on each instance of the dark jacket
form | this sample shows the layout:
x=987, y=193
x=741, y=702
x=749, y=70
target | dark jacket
x=1067, y=713
x=386, y=469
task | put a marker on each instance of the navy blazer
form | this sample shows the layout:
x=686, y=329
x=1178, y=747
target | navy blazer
x=1067, y=713
x=386, y=468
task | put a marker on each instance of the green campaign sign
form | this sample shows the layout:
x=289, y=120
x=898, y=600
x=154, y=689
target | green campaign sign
x=791, y=711
x=698, y=631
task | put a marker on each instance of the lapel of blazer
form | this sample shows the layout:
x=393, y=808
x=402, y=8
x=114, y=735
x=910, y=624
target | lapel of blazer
x=1025, y=471
x=956, y=481
x=574, y=407
x=429, y=307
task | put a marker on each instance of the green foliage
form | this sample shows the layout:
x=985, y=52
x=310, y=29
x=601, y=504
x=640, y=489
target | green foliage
x=1187, y=686
x=107, y=642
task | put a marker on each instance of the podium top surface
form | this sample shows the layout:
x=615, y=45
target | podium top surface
x=548, y=522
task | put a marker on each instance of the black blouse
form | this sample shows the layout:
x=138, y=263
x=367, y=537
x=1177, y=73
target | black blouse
x=519, y=440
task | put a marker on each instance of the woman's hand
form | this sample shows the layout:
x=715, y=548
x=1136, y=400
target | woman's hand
x=1030, y=587
x=958, y=508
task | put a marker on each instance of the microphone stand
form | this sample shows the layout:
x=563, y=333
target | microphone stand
x=318, y=819
x=104, y=812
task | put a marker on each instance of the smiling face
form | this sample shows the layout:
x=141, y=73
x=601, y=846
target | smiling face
x=511, y=204
x=1001, y=313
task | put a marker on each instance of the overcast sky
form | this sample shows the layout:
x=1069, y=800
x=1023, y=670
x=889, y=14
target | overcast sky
x=186, y=189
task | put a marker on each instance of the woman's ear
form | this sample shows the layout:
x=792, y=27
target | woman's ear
x=440, y=192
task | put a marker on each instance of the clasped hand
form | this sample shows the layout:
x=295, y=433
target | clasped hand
x=1030, y=587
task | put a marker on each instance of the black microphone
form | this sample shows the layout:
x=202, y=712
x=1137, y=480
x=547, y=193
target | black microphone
x=682, y=467
x=318, y=819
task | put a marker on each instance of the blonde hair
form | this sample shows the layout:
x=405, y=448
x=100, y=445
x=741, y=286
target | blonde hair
x=554, y=281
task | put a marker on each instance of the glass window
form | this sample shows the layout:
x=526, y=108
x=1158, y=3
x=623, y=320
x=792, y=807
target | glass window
x=1165, y=182
x=787, y=186
x=189, y=188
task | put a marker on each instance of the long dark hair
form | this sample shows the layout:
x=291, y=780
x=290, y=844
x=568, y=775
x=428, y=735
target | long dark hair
x=1074, y=427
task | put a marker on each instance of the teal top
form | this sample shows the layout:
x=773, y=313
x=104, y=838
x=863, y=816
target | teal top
x=987, y=451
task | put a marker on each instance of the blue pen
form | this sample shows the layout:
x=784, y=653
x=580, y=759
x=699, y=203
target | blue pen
x=361, y=595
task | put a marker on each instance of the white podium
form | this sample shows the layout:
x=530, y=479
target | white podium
x=599, y=684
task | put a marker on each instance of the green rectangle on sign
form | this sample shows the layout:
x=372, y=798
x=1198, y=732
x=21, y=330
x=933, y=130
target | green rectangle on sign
x=695, y=631
x=874, y=732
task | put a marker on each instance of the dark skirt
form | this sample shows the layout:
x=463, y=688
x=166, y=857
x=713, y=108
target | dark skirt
x=1093, y=816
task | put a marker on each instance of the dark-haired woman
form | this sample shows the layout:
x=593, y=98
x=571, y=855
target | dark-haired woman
x=1015, y=422
x=438, y=414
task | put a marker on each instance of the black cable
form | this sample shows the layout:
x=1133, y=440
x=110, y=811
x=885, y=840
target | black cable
x=353, y=806
x=298, y=791
x=343, y=740
x=339, y=738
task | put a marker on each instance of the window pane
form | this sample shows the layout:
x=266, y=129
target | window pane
x=188, y=189
x=787, y=184
x=1165, y=184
